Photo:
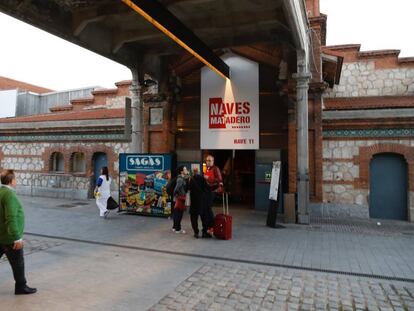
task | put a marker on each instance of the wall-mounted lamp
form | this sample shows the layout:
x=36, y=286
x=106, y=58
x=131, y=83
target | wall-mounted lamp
x=148, y=82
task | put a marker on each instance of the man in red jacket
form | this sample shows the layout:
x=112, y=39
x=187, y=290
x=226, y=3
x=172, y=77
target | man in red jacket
x=215, y=183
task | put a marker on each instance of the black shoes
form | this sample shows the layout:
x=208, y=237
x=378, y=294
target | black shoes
x=206, y=236
x=196, y=235
x=25, y=290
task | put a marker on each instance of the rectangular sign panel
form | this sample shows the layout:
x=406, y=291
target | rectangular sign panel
x=230, y=108
x=142, y=181
x=144, y=163
x=274, y=183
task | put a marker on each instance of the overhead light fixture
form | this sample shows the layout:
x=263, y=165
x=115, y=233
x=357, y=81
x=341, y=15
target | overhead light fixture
x=133, y=4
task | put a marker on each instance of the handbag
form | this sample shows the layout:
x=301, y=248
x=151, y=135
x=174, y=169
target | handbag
x=111, y=204
x=180, y=203
x=187, y=199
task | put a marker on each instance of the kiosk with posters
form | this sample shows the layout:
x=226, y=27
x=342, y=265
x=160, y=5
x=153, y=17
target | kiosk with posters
x=142, y=181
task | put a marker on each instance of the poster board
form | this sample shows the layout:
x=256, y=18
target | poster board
x=142, y=182
x=274, y=183
x=230, y=107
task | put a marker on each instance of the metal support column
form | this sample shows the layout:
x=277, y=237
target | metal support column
x=302, y=85
x=137, y=117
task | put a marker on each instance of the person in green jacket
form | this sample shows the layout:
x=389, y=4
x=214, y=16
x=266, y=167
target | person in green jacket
x=11, y=231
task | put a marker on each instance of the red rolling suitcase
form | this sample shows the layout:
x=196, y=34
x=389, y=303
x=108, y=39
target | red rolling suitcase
x=223, y=222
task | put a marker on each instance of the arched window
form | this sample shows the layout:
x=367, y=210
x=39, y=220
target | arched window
x=57, y=163
x=78, y=162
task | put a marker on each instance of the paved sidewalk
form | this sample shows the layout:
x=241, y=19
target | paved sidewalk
x=86, y=277
x=32, y=245
x=131, y=262
x=378, y=227
x=297, y=246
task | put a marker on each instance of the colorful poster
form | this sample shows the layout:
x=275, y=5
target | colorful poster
x=230, y=107
x=142, y=182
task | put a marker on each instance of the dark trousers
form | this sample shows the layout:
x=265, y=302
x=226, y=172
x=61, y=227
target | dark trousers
x=16, y=261
x=208, y=214
x=207, y=220
x=177, y=217
x=194, y=223
x=208, y=217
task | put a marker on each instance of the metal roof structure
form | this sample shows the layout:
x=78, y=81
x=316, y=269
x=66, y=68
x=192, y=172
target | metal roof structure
x=115, y=29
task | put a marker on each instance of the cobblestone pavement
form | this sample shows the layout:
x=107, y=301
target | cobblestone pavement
x=35, y=245
x=218, y=286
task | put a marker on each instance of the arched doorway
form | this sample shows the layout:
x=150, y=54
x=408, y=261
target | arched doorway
x=388, y=186
x=99, y=160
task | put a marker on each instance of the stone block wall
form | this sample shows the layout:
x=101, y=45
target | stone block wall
x=346, y=169
x=31, y=163
x=364, y=79
x=115, y=102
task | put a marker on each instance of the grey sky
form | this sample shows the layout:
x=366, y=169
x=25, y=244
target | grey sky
x=34, y=56
x=375, y=24
x=31, y=55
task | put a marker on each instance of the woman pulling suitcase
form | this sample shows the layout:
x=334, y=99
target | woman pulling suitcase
x=215, y=183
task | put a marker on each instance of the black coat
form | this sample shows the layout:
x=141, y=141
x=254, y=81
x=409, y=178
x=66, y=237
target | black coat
x=198, y=192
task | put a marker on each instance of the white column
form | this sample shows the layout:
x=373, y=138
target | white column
x=302, y=85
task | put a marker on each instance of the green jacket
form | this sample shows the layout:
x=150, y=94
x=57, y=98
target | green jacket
x=11, y=217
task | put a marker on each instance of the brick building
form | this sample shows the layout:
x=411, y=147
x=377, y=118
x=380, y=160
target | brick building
x=358, y=105
x=59, y=154
x=368, y=122
x=10, y=92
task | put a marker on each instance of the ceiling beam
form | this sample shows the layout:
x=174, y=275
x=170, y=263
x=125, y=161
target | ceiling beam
x=258, y=55
x=168, y=3
x=166, y=22
x=22, y=4
x=123, y=37
x=83, y=17
x=79, y=25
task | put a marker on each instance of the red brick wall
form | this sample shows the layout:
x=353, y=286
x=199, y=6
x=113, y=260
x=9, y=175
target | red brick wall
x=87, y=151
x=312, y=7
x=315, y=148
x=318, y=148
x=123, y=89
x=383, y=59
x=157, y=138
x=348, y=103
x=292, y=153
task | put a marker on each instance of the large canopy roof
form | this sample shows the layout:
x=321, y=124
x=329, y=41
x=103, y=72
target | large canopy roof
x=113, y=29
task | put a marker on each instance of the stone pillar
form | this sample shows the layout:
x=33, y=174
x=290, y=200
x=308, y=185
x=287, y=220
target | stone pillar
x=292, y=146
x=136, y=114
x=302, y=86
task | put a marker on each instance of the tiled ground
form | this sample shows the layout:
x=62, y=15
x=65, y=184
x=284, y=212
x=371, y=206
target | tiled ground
x=32, y=245
x=363, y=226
x=288, y=278
x=351, y=246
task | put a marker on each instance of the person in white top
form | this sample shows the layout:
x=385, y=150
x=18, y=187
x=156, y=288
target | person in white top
x=103, y=192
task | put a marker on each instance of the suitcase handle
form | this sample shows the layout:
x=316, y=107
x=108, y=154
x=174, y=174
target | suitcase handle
x=225, y=196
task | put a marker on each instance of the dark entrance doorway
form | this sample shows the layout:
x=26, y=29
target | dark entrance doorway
x=238, y=171
x=99, y=160
x=388, y=187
